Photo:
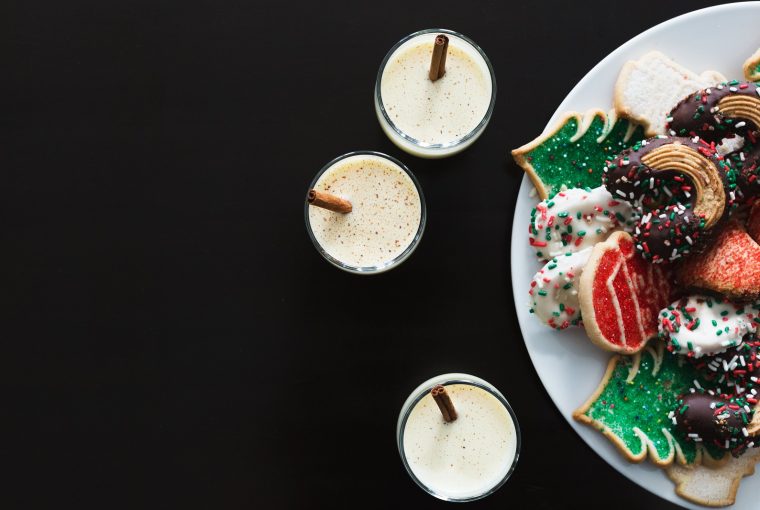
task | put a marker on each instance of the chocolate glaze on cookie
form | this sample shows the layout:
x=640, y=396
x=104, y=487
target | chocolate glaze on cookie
x=714, y=419
x=658, y=177
x=717, y=112
x=723, y=111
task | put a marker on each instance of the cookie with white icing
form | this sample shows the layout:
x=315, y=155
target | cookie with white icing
x=702, y=325
x=647, y=89
x=576, y=219
x=554, y=290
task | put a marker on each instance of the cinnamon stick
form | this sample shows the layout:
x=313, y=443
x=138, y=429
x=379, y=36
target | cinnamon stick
x=438, y=61
x=328, y=201
x=443, y=400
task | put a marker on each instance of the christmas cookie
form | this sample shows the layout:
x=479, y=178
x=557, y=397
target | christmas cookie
x=647, y=89
x=621, y=295
x=554, y=290
x=631, y=405
x=752, y=67
x=719, y=420
x=729, y=266
x=678, y=187
x=573, y=152
x=576, y=219
x=737, y=366
x=718, y=111
x=713, y=486
x=700, y=325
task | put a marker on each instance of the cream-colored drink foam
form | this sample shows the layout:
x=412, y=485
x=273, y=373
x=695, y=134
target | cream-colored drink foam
x=438, y=111
x=468, y=456
x=385, y=217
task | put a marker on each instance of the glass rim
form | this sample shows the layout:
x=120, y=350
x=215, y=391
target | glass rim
x=446, y=380
x=436, y=146
x=398, y=258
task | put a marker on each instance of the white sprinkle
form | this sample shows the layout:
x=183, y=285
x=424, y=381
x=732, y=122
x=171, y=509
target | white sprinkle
x=688, y=240
x=740, y=124
x=672, y=133
x=744, y=431
x=651, y=180
x=620, y=192
x=732, y=89
x=667, y=191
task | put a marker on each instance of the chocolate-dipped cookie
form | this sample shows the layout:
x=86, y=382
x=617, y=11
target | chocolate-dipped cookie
x=715, y=419
x=681, y=189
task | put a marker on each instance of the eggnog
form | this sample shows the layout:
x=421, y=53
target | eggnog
x=434, y=118
x=386, y=219
x=464, y=459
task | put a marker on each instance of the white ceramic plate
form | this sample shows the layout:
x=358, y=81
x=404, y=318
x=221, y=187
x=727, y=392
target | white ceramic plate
x=718, y=38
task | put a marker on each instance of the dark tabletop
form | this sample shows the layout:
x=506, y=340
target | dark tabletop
x=174, y=339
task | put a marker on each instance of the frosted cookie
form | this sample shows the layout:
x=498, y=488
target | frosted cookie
x=737, y=368
x=631, y=406
x=729, y=266
x=700, y=325
x=621, y=295
x=572, y=153
x=554, y=290
x=576, y=219
x=752, y=67
x=713, y=486
x=647, y=89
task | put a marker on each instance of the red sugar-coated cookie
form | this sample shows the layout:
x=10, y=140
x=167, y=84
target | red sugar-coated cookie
x=621, y=295
x=729, y=266
x=753, y=223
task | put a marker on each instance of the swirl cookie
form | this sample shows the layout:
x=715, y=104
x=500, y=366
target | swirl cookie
x=702, y=325
x=713, y=113
x=554, y=290
x=576, y=219
x=678, y=188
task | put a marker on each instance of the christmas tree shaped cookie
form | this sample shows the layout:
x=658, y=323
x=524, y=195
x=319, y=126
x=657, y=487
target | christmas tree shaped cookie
x=632, y=403
x=572, y=154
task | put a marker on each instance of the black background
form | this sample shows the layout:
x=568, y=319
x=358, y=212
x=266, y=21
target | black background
x=174, y=339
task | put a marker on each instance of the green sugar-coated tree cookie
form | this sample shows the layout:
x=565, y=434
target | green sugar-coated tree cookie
x=632, y=403
x=573, y=153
